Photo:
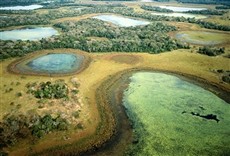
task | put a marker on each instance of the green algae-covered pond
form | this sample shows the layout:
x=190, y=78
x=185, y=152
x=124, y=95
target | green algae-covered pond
x=171, y=116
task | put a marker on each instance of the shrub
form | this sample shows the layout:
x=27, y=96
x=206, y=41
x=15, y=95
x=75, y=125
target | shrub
x=8, y=90
x=47, y=124
x=226, y=78
x=13, y=128
x=19, y=94
x=79, y=126
x=48, y=90
x=75, y=91
x=76, y=114
x=211, y=51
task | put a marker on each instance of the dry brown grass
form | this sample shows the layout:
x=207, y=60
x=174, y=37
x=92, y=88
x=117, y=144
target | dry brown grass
x=219, y=20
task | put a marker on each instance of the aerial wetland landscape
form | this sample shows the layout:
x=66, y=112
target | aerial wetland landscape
x=114, y=78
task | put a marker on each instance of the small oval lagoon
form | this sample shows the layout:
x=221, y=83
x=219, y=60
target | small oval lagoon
x=51, y=63
x=28, y=7
x=181, y=9
x=171, y=116
x=203, y=37
x=121, y=21
x=28, y=33
x=185, y=15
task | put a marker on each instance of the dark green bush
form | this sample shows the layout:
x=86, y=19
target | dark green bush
x=48, y=124
x=19, y=94
x=79, y=126
x=48, y=90
x=76, y=114
x=211, y=51
x=226, y=78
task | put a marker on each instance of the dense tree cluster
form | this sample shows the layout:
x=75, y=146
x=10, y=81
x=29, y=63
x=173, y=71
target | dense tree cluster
x=223, y=7
x=211, y=51
x=150, y=38
x=16, y=127
x=207, y=12
x=13, y=128
x=47, y=124
x=18, y=20
x=226, y=78
x=154, y=8
x=20, y=12
x=48, y=90
x=210, y=25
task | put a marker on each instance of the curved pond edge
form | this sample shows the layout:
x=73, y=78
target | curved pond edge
x=179, y=36
x=109, y=133
x=12, y=67
x=123, y=77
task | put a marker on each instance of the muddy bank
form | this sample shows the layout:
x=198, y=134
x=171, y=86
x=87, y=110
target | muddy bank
x=114, y=87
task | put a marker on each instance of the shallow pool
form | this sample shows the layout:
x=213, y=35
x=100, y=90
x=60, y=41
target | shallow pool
x=28, y=34
x=28, y=7
x=56, y=63
x=121, y=21
x=170, y=117
x=181, y=9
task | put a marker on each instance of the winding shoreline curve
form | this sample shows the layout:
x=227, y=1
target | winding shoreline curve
x=110, y=83
x=108, y=135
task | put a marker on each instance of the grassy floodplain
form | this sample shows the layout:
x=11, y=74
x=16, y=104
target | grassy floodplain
x=101, y=68
x=96, y=79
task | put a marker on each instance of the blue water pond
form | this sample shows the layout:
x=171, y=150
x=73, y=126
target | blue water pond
x=56, y=63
